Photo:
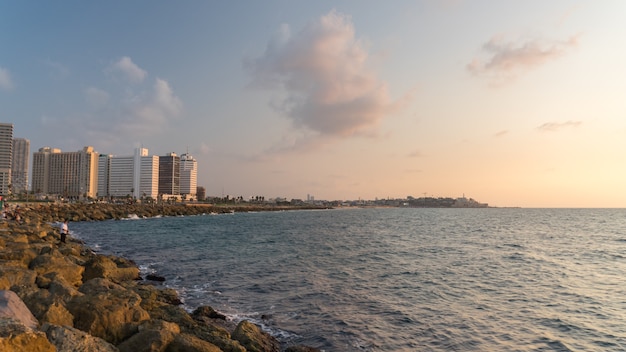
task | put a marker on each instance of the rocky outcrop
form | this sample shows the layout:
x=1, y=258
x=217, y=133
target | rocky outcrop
x=254, y=339
x=64, y=297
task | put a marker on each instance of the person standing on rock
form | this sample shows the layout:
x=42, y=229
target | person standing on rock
x=64, y=231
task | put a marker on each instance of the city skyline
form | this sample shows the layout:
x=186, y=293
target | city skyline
x=511, y=103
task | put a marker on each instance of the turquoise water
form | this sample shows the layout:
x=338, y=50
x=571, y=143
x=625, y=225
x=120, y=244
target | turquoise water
x=396, y=279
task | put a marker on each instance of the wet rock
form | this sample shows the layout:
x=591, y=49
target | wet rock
x=300, y=348
x=153, y=277
x=254, y=339
x=207, y=311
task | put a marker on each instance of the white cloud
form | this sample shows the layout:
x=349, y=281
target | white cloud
x=5, y=79
x=507, y=59
x=96, y=97
x=323, y=70
x=556, y=126
x=131, y=71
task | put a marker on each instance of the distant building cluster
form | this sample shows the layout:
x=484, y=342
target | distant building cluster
x=89, y=174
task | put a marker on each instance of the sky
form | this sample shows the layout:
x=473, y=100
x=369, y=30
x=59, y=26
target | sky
x=512, y=103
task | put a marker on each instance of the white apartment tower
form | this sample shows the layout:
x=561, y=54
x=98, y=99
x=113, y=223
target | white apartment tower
x=136, y=176
x=19, y=168
x=67, y=174
x=188, y=175
x=6, y=154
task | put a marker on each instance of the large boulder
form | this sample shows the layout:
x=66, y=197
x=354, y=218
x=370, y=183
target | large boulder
x=12, y=307
x=17, y=327
x=153, y=336
x=66, y=338
x=59, y=264
x=190, y=343
x=107, y=310
x=254, y=339
x=114, y=269
x=16, y=276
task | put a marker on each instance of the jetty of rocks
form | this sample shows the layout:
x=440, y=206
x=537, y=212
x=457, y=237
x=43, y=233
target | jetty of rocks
x=64, y=297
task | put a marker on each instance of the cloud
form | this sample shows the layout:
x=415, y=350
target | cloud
x=129, y=69
x=134, y=116
x=556, y=126
x=5, y=79
x=501, y=133
x=416, y=154
x=323, y=72
x=96, y=97
x=507, y=59
x=57, y=71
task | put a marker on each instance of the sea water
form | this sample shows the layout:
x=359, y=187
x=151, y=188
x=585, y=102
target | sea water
x=396, y=279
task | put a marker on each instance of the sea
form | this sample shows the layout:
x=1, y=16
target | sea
x=395, y=279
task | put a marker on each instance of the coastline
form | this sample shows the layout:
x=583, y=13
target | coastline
x=64, y=296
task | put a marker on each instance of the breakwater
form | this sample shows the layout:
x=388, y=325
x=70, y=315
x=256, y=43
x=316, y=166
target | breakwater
x=64, y=297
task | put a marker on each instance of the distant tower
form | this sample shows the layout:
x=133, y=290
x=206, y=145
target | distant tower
x=69, y=174
x=188, y=175
x=169, y=174
x=19, y=168
x=6, y=154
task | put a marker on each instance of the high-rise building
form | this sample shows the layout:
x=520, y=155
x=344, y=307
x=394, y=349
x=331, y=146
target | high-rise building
x=136, y=176
x=6, y=154
x=169, y=174
x=69, y=174
x=19, y=165
x=104, y=161
x=188, y=175
x=41, y=169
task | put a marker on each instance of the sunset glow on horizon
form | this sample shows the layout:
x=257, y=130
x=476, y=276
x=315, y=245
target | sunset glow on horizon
x=509, y=103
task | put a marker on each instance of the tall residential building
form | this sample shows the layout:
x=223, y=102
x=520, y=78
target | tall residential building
x=169, y=174
x=41, y=169
x=19, y=168
x=6, y=154
x=188, y=175
x=69, y=174
x=136, y=176
x=104, y=161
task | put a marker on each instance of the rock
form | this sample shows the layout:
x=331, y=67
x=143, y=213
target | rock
x=190, y=343
x=153, y=336
x=14, y=276
x=107, y=310
x=66, y=338
x=207, y=311
x=12, y=307
x=253, y=339
x=57, y=314
x=300, y=348
x=153, y=277
x=61, y=265
x=101, y=266
x=17, y=326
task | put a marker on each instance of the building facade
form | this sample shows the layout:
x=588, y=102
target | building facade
x=19, y=165
x=169, y=174
x=66, y=174
x=134, y=176
x=6, y=155
x=188, y=176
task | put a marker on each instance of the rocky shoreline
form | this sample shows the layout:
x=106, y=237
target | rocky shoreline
x=64, y=297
